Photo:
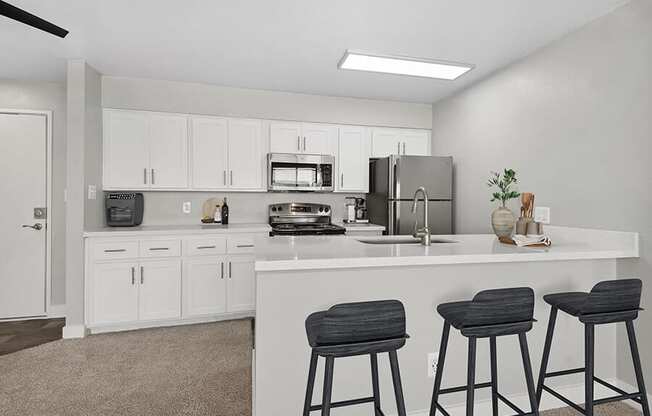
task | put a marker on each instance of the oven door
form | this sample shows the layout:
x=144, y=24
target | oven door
x=299, y=173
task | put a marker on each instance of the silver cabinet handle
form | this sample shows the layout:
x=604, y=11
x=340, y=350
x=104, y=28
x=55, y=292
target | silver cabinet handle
x=298, y=143
x=36, y=226
x=342, y=180
x=399, y=147
x=221, y=270
x=142, y=275
x=231, y=177
x=244, y=245
x=204, y=247
x=229, y=270
x=224, y=177
x=145, y=176
x=403, y=147
x=304, y=143
x=153, y=181
x=159, y=248
x=133, y=275
x=115, y=250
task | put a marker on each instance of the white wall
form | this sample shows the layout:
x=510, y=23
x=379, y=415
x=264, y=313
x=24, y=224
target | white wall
x=47, y=96
x=574, y=120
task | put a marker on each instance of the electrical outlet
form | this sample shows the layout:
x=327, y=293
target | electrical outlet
x=187, y=207
x=432, y=364
x=542, y=215
x=92, y=192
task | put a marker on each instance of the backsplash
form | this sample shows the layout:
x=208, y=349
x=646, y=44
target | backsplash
x=165, y=208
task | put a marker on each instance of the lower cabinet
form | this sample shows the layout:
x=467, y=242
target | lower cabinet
x=241, y=284
x=160, y=290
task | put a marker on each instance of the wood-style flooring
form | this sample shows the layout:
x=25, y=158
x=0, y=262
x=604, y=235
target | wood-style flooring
x=18, y=335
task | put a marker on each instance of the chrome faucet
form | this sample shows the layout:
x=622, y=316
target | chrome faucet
x=422, y=233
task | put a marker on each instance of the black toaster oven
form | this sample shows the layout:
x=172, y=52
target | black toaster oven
x=124, y=209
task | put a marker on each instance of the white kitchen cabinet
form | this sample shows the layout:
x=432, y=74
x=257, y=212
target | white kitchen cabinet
x=209, y=152
x=302, y=138
x=353, y=160
x=145, y=150
x=115, y=293
x=126, y=150
x=247, y=155
x=241, y=284
x=386, y=141
x=160, y=290
x=204, y=286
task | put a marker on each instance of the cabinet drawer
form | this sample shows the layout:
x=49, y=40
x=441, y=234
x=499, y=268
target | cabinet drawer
x=204, y=246
x=160, y=248
x=241, y=244
x=113, y=250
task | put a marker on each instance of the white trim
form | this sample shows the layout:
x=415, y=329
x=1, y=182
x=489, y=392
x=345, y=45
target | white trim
x=74, y=331
x=57, y=311
x=48, y=196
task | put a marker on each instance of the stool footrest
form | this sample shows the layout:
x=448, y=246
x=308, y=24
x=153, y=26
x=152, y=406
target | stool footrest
x=343, y=403
x=461, y=389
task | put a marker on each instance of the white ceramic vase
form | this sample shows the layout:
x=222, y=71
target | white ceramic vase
x=502, y=221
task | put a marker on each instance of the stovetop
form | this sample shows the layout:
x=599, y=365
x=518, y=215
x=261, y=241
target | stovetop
x=297, y=218
x=306, y=229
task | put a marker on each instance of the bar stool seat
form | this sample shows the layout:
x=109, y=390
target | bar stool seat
x=313, y=323
x=569, y=302
x=454, y=312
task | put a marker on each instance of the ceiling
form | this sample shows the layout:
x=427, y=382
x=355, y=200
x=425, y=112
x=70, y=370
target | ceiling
x=287, y=45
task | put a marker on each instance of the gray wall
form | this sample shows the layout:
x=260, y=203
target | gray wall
x=47, y=96
x=574, y=120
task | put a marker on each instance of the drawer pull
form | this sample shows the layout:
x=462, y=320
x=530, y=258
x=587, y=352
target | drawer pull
x=159, y=248
x=245, y=245
x=205, y=247
x=115, y=250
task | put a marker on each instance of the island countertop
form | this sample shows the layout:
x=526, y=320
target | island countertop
x=336, y=252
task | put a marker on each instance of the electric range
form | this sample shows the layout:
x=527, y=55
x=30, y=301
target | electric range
x=298, y=218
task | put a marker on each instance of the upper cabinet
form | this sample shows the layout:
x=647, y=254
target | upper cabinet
x=353, y=159
x=145, y=151
x=288, y=137
x=386, y=141
x=227, y=154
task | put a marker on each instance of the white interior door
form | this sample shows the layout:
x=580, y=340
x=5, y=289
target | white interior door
x=209, y=147
x=23, y=182
x=168, y=145
x=246, y=154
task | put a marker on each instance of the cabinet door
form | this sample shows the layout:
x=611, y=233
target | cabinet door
x=209, y=149
x=204, y=286
x=160, y=290
x=246, y=154
x=353, y=160
x=318, y=139
x=285, y=137
x=241, y=292
x=126, y=153
x=114, y=293
x=385, y=142
x=168, y=145
x=415, y=143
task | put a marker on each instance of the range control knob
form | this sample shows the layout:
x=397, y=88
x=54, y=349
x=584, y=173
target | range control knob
x=274, y=209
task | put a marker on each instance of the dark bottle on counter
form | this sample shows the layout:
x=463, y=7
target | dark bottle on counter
x=225, y=213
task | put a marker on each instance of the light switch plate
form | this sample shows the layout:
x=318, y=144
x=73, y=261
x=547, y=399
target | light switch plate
x=92, y=192
x=542, y=215
x=187, y=207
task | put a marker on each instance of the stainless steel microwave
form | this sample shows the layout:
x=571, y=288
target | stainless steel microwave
x=288, y=172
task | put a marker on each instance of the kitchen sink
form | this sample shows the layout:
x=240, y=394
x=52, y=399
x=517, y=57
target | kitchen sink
x=403, y=240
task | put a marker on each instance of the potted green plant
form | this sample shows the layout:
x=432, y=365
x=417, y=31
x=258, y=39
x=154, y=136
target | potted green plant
x=502, y=219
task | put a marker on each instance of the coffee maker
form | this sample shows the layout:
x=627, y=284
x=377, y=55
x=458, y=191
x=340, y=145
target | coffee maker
x=356, y=210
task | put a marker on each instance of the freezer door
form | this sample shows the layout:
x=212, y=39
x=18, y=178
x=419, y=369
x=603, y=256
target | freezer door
x=433, y=173
x=440, y=217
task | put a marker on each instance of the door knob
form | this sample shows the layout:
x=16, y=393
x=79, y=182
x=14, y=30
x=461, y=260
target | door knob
x=36, y=226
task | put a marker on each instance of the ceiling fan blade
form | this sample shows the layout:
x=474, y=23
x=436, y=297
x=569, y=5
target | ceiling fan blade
x=22, y=16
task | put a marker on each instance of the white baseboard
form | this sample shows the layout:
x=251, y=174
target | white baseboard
x=57, y=311
x=74, y=331
x=573, y=392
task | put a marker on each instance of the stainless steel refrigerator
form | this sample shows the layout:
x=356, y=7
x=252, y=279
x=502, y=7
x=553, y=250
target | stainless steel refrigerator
x=393, y=182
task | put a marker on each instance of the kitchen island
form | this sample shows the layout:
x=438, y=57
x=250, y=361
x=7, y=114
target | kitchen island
x=296, y=276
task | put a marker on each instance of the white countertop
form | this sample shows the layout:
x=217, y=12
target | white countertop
x=332, y=252
x=177, y=230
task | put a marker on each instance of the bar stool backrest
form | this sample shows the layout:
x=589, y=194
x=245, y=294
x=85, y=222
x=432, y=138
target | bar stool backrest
x=501, y=306
x=349, y=323
x=614, y=296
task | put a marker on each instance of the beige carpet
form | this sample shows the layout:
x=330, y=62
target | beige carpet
x=196, y=370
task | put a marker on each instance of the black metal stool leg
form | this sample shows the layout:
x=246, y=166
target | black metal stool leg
x=529, y=379
x=633, y=345
x=470, y=382
x=396, y=378
x=546, y=352
x=311, y=383
x=328, y=387
x=589, y=350
x=374, y=383
x=440, y=368
x=494, y=376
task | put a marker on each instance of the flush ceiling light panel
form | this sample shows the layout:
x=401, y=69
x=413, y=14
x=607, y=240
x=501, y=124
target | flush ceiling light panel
x=403, y=65
x=27, y=18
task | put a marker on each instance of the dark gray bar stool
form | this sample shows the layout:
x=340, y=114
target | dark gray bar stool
x=609, y=302
x=351, y=329
x=491, y=314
